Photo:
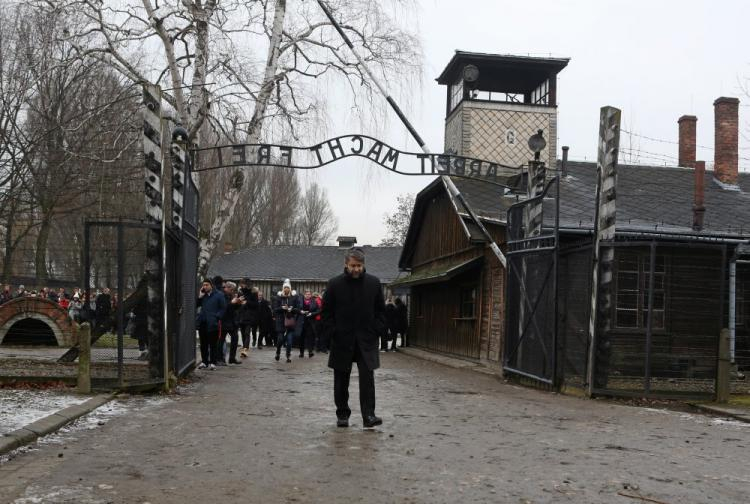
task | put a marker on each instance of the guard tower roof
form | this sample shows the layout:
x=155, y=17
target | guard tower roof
x=503, y=72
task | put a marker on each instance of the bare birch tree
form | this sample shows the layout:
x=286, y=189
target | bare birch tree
x=204, y=54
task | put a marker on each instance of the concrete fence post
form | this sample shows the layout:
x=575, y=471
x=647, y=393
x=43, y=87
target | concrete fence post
x=723, y=368
x=84, y=359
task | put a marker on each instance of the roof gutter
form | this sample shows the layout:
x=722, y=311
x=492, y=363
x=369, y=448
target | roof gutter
x=665, y=236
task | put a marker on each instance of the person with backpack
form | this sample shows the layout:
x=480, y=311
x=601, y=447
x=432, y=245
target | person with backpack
x=286, y=310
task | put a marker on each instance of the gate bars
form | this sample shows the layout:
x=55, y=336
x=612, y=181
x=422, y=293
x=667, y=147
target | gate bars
x=531, y=289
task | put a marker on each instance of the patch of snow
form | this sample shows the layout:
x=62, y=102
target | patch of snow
x=22, y=407
x=727, y=422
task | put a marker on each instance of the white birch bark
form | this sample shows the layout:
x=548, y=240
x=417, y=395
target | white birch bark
x=234, y=190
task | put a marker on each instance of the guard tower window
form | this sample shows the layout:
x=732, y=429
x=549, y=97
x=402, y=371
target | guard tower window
x=497, y=96
x=540, y=95
x=457, y=93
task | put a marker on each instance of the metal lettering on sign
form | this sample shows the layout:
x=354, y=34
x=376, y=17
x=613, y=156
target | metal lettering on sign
x=405, y=163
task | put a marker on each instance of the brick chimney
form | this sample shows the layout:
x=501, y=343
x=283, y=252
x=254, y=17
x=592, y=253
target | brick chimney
x=687, y=124
x=699, y=208
x=726, y=111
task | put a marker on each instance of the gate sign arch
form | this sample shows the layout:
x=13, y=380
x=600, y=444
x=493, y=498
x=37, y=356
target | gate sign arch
x=316, y=156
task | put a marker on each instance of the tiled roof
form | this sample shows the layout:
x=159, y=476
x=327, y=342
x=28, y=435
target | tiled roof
x=649, y=199
x=316, y=263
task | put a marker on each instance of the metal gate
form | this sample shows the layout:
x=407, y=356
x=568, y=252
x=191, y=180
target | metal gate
x=531, y=297
x=184, y=356
x=123, y=353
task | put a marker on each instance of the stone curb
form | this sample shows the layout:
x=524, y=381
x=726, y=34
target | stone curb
x=51, y=423
x=723, y=411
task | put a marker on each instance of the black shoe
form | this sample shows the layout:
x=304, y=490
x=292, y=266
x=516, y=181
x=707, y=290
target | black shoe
x=302, y=355
x=234, y=361
x=278, y=356
x=310, y=354
x=288, y=359
x=371, y=421
x=342, y=422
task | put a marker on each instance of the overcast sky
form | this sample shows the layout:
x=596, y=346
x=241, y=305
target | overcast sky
x=655, y=60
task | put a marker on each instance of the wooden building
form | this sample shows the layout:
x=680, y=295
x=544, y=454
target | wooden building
x=679, y=274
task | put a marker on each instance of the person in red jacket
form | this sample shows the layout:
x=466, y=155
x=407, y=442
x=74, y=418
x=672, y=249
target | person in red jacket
x=321, y=342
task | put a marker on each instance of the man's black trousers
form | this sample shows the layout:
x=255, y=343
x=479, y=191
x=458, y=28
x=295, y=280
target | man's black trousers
x=209, y=344
x=366, y=389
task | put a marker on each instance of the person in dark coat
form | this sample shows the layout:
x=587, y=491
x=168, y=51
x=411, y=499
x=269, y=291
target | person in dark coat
x=247, y=316
x=229, y=322
x=402, y=322
x=354, y=318
x=391, y=316
x=265, y=322
x=308, y=311
x=212, y=305
x=286, y=311
x=103, y=311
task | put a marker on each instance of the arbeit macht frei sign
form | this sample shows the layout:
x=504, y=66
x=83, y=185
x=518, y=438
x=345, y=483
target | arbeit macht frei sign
x=406, y=163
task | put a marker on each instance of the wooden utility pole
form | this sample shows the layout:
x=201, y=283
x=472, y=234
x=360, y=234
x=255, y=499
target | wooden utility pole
x=154, y=172
x=603, y=256
x=84, y=359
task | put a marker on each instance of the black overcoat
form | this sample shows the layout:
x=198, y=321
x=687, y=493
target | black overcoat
x=353, y=313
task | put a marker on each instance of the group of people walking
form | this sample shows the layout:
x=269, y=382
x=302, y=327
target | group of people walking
x=230, y=311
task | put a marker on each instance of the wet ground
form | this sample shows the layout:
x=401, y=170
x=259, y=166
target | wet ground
x=264, y=432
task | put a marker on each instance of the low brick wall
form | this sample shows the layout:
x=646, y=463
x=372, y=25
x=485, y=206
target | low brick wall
x=40, y=309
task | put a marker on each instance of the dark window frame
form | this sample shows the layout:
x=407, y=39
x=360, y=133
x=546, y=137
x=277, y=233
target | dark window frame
x=639, y=271
x=467, y=301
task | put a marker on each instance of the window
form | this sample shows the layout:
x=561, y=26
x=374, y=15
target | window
x=632, y=283
x=457, y=93
x=540, y=96
x=467, y=302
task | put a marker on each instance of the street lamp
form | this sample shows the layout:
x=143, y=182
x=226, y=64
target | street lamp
x=537, y=143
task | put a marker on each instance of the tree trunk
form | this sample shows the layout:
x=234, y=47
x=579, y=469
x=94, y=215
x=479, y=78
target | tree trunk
x=232, y=195
x=10, y=246
x=40, y=255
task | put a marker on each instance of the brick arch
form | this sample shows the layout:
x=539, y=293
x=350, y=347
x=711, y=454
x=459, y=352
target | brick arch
x=45, y=310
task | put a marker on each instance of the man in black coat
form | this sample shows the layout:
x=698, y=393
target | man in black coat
x=354, y=318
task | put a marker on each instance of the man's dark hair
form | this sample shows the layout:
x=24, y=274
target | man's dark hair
x=207, y=280
x=356, y=253
x=245, y=281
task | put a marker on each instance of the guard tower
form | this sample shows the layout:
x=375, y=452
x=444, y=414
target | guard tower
x=496, y=102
